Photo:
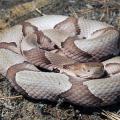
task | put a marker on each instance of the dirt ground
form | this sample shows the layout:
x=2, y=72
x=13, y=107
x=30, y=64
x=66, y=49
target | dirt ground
x=19, y=108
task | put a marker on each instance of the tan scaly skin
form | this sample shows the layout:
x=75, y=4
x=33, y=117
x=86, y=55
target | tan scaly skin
x=76, y=51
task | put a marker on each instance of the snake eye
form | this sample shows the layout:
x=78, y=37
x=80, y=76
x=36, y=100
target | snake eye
x=88, y=70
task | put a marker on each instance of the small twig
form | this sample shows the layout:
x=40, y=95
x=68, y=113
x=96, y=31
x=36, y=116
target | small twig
x=115, y=2
x=86, y=11
x=39, y=11
x=102, y=16
x=110, y=115
x=11, y=97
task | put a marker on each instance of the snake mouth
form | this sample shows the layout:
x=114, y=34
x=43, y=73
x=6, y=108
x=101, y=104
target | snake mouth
x=95, y=75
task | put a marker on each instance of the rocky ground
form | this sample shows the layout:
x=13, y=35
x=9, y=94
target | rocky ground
x=12, y=105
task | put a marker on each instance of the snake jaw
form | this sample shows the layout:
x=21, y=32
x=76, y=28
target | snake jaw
x=85, y=70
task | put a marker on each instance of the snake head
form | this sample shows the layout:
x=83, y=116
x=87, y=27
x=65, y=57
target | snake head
x=45, y=42
x=86, y=70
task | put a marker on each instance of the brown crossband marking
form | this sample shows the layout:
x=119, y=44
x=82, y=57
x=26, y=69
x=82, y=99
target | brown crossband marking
x=11, y=73
x=45, y=42
x=28, y=28
x=37, y=57
x=10, y=46
x=80, y=94
x=75, y=53
x=57, y=59
x=70, y=26
x=6, y=45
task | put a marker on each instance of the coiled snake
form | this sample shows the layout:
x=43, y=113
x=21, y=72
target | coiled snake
x=57, y=56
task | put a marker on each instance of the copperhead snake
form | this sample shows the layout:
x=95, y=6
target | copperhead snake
x=57, y=56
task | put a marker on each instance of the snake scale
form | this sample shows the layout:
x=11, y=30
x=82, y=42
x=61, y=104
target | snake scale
x=56, y=56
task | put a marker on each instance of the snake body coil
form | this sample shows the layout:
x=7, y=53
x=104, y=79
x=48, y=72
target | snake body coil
x=79, y=53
